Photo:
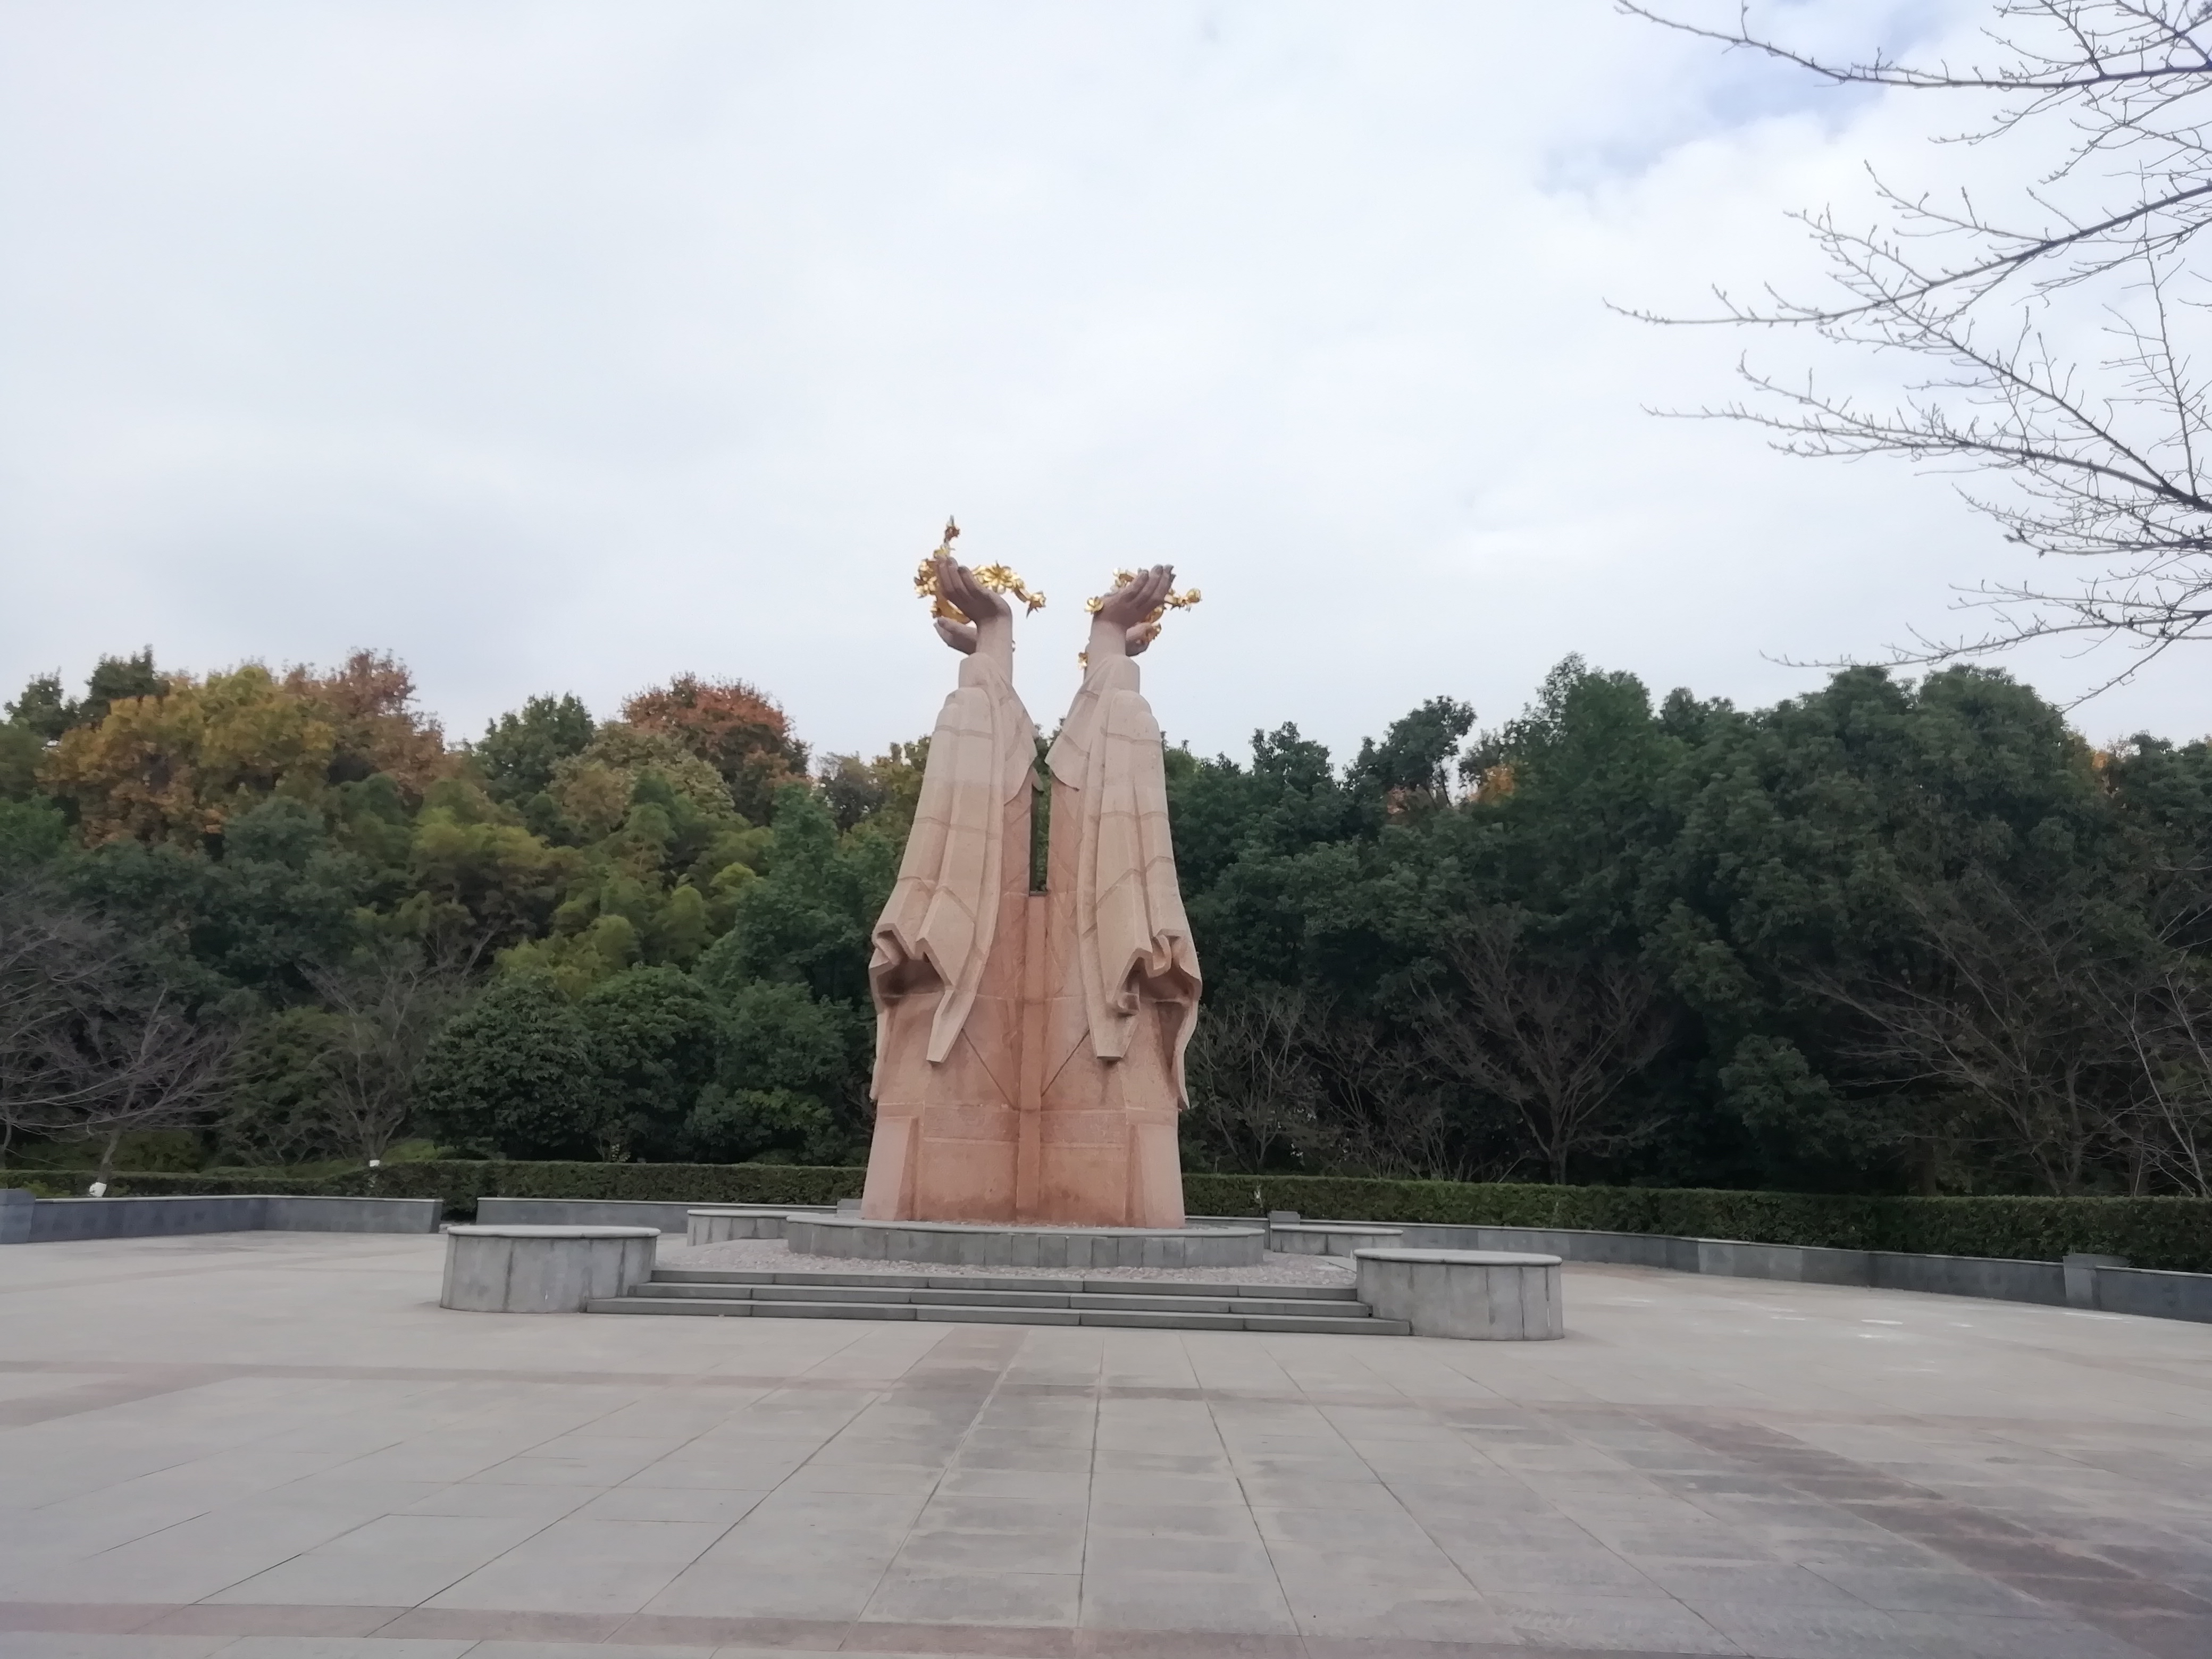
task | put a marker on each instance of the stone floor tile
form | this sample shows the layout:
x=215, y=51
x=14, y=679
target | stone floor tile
x=343, y=1647
x=1374, y=1613
x=39, y=1645
x=1983, y=1636
x=1750, y=1584
x=395, y=1560
x=1179, y=1601
x=629, y=1503
x=1072, y=1487
x=560, y=1584
x=1365, y=1496
x=1176, y=1520
x=1125, y=1553
x=1011, y=1596
x=1110, y=1486
x=946, y=1550
x=709, y=1473
x=1896, y=1591
x=1042, y=1460
x=970, y=1512
x=1570, y=1619
x=1594, y=1571
x=1369, y=1532
x=825, y=1587
x=1816, y=1632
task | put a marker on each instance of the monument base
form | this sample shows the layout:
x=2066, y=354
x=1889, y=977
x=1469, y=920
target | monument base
x=985, y=1245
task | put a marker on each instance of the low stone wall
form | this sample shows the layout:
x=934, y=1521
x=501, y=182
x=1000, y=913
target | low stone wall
x=1329, y=1237
x=2155, y=1295
x=669, y=1217
x=727, y=1221
x=2115, y=1290
x=28, y=1220
x=954, y=1243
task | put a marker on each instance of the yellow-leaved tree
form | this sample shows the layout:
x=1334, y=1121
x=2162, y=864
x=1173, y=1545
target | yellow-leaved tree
x=175, y=765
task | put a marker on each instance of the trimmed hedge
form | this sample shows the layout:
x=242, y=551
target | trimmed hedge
x=461, y=1183
x=2173, y=1233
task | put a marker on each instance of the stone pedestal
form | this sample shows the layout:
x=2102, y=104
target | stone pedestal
x=1330, y=1237
x=954, y=1242
x=1494, y=1295
x=543, y=1269
x=732, y=1221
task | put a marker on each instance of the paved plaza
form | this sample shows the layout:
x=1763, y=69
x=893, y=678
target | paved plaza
x=278, y=1444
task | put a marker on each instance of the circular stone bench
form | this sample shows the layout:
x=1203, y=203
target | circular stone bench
x=1329, y=1238
x=542, y=1269
x=1495, y=1295
x=985, y=1244
x=727, y=1221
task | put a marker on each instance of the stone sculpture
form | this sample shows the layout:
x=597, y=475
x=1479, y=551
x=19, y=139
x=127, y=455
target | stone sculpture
x=1029, y=1045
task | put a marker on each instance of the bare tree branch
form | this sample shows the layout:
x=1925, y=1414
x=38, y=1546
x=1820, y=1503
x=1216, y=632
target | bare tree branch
x=2098, y=463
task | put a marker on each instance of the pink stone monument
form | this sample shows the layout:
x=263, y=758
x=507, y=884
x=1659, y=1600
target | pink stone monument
x=1029, y=1045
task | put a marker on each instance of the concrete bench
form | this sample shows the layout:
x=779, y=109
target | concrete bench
x=508, y=1269
x=1486, y=1296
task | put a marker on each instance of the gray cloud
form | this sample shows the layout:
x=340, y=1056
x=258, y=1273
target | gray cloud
x=566, y=347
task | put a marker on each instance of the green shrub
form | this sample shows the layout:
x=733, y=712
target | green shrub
x=2172, y=1233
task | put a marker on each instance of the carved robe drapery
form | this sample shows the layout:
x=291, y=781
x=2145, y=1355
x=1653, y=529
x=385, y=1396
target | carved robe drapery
x=943, y=915
x=946, y=969
x=1131, y=938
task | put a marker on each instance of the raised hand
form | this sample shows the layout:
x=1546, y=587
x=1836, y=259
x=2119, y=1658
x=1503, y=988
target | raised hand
x=1128, y=605
x=990, y=622
x=958, y=587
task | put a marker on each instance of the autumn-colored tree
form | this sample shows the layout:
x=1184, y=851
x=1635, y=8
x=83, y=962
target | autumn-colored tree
x=172, y=767
x=594, y=788
x=369, y=704
x=736, y=729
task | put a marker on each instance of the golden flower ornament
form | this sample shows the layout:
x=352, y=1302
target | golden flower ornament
x=1182, y=601
x=999, y=578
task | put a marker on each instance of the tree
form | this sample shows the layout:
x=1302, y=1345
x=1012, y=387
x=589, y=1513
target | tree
x=1257, y=1102
x=2098, y=464
x=1557, y=1035
x=174, y=765
x=653, y=1035
x=518, y=750
x=789, y=1081
x=733, y=727
x=384, y=1010
x=376, y=729
x=92, y=1046
x=512, y=1075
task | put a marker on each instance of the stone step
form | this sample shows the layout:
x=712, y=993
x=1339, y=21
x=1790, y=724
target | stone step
x=1363, y=1324
x=1005, y=1284
x=1134, y=1302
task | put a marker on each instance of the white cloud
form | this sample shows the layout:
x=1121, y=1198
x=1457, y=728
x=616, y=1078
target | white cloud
x=567, y=347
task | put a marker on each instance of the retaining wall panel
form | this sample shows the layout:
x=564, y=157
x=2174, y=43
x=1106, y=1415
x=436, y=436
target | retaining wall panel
x=2155, y=1295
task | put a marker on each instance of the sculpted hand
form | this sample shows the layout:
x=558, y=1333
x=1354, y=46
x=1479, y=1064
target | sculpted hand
x=960, y=589
x=1128, y=605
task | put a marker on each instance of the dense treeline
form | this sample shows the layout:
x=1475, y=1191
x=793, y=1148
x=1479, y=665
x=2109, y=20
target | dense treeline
x=1886, y=937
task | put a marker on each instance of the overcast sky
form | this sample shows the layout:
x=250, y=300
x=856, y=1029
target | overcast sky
x=566, y=347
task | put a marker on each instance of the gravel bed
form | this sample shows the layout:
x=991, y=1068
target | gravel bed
x=769, y=1255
